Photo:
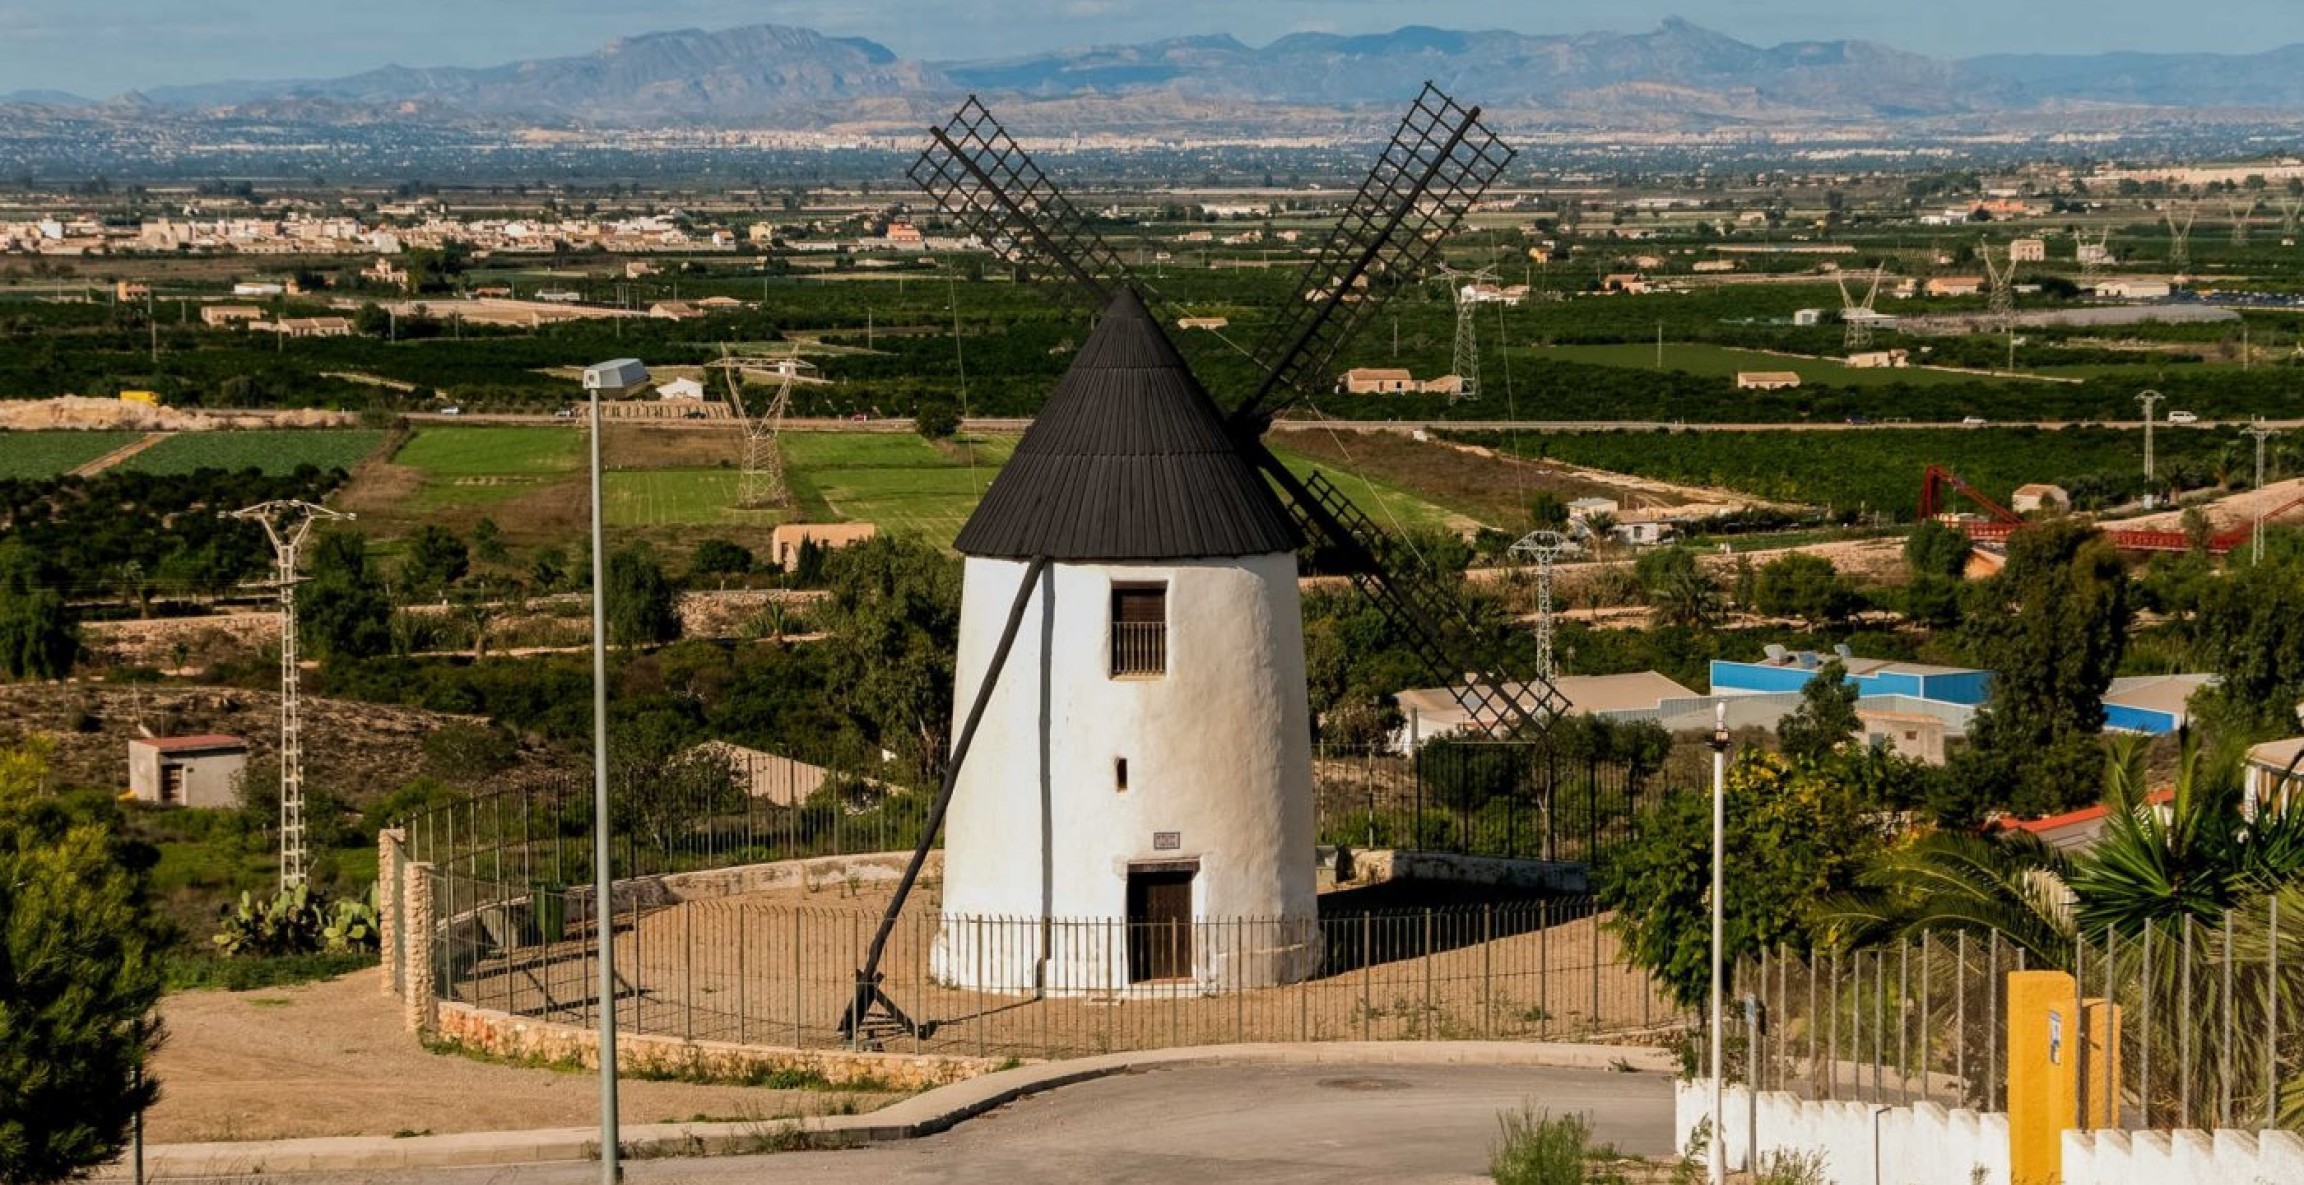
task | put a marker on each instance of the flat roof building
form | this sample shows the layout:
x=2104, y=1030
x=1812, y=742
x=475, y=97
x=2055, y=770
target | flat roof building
x=192, y=771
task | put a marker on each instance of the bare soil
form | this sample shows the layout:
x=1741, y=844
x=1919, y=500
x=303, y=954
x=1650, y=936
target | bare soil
x=332, y=1059
x=672, y=446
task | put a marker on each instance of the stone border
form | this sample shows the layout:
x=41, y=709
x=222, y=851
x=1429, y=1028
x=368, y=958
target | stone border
x=923, y=1115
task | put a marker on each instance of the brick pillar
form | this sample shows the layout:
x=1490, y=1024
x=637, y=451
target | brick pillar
x=419, y=917
x=388, y=903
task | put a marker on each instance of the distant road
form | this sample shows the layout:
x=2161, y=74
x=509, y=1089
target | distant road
x=1018, y=424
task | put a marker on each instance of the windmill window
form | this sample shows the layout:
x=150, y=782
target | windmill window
x=1120, y=774
x=1139, y=630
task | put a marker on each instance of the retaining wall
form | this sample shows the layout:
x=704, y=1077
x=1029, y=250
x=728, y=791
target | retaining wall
x=1861, y=1143
x=2183, y=1158
x=519, y=1038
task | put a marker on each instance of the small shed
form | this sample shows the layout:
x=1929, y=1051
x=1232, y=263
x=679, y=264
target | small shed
x=194, y=771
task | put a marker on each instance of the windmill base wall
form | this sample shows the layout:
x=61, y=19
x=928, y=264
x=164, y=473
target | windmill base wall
x=1091, y=957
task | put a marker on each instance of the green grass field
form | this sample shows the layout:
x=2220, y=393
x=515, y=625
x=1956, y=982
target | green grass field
x=482, y=466
x=32, y=456
x=904, y=483
x=1724, y=362
x=1392, y=507
x=272, y=451
x=679, y=498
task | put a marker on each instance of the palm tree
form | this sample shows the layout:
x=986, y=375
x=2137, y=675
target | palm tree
x=2011, y=885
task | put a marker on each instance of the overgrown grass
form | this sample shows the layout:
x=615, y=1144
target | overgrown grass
x=1537, y=1148
x=208, y=972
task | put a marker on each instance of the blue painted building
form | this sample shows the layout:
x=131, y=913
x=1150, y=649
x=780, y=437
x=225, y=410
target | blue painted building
x=1785, y=671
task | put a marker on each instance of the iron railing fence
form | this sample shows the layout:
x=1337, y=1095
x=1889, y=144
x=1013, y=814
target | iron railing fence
x=763, y=972
x=1139, y=648
x=2208, y=1026
x=1506, y=799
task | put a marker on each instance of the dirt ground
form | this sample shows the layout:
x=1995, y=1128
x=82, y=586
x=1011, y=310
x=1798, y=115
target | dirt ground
x=2227, y=512
x=331, y=1059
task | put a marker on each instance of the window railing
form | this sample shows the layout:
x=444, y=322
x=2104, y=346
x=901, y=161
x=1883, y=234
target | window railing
x=1139, y=648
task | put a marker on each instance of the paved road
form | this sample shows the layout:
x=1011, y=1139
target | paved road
x=982, y=424
x=1257, y=1125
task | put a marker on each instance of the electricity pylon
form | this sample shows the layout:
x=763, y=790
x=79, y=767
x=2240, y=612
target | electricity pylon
x=1544, y=547
x=288, y=524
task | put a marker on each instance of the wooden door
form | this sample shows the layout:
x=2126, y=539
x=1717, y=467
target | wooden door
x=172, y=785
x=1159, y=924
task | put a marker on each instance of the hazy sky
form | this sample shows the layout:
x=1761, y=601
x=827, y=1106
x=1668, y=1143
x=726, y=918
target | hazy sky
x=101, y=47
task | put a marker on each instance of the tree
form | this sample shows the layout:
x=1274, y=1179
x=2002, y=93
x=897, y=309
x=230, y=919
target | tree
x=436, y=558
x=895, y=606
x=1936, y=549
x=341, y=611
x=80, y=974
x=2055, y=623
x=1825, y=719
x=1796, y=834
x=2250, y=631
x=719, y=557
x=1805, y=586
x=643, y=607
x=1680, y=592
x=39, y=635
x=937, y=419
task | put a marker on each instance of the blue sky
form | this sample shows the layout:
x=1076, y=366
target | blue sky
x=101, y=47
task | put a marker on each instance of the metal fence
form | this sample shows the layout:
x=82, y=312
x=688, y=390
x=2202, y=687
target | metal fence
x=1524, y=800
x=2207, y=1022
x=762, y=972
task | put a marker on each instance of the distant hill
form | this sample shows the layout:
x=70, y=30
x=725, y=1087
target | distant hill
x=769, y=75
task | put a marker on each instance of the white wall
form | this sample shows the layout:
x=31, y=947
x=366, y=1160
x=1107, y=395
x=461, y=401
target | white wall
x=1927, y=1145
x=1218, y=752
x=1923, y=1144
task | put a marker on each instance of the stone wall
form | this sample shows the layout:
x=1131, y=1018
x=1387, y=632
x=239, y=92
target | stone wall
x=516, y=1038
x=1379, y=864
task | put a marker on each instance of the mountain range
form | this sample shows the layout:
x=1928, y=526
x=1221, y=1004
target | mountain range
x=799, y=79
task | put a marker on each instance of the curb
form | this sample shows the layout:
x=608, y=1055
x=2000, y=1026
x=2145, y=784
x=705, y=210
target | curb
x=922, y=1115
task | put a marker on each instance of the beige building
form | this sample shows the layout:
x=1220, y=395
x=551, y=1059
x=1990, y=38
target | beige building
x=2028, y=251
x=1915, y=735
x=1435, y=711
x=192, y=771
x=1767, y=380
x=1955, y=286
x=1377, y=381
x=2275, y=770
x=230, y=314
x=784, y=545
x=2040, y=498
x=1880, y=360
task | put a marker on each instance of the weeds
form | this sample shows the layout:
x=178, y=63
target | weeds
x=1537, y=1149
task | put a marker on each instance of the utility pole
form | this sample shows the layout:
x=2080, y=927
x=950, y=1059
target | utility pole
x=2263, y=433
x=2148, y=399
x=1719, y=1164
x=288, y=524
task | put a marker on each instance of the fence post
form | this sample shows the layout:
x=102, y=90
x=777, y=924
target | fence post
x=799, y=944
x=390, y=844
x=2272, y=1016
x=1367, y=970
x=419, y=1009
x=1487, y=971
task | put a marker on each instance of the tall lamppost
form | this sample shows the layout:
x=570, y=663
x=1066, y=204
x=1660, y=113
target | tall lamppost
x=2148, y=398
x=1719, y=932
x=622, y=374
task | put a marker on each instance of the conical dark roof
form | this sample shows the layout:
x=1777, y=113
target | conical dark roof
x=1129, y=460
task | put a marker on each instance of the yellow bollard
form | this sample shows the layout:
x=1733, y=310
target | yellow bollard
x=2044, y=1058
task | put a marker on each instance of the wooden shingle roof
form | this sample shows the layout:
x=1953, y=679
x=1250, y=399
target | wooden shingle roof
x=1129, y=460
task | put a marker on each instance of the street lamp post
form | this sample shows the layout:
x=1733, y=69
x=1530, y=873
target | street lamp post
x=620, y=375
x=2148, y=398
x=1719, y=931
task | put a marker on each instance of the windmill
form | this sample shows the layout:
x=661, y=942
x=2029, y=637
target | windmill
x=1465, y=286
x=2180, y=220
x=1857, y=318
x=1137, y=502
x=760, y=483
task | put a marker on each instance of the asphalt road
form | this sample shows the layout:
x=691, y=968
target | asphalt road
x=1252, y=1124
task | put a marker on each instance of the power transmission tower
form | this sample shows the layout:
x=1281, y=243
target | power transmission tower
x=2093, y=254
x=2180, y=222
x=1465, y=286
x=1544, y=547
x=1855, y=319
x=2241, y=209
x=287, y=524
x=2003, y=296
x=2263, y=434
x=760, y=483
x=2291, y=212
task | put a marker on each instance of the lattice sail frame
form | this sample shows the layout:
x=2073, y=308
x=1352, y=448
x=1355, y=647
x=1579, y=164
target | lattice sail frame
x=981, y=177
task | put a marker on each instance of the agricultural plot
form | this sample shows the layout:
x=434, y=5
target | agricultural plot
x=273, y=451
x=482, y=466
x=905, y=484
x=1725, y=362
x=1880, y=469
x=1391, y=506
x=678, y=498
x=34, y=456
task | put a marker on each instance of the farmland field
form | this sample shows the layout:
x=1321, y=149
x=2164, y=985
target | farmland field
x=32, y=456
x=272, y=451
x=1391, y=506
x=678, y=498
x=1879, y=469
x=1724, y=362
x=483, y=466
x=904, y=483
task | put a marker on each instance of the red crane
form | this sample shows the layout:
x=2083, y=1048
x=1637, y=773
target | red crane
x=2005, y=521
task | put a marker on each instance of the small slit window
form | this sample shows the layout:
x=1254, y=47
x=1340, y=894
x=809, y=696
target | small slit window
x=1120, y=774
x=1139, y=630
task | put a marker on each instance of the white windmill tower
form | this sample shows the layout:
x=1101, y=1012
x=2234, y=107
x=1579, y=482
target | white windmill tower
x=1857, y=319
x=1150, y=744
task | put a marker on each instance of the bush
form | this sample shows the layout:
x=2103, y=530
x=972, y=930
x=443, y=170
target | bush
x=298, y=922
x=1537, y=1149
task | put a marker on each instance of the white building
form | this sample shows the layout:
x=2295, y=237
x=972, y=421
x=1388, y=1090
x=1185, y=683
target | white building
x=194, y=771
x=681, y=390
x=2028, y=251
x=1144, y=754
x=2134, y=289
